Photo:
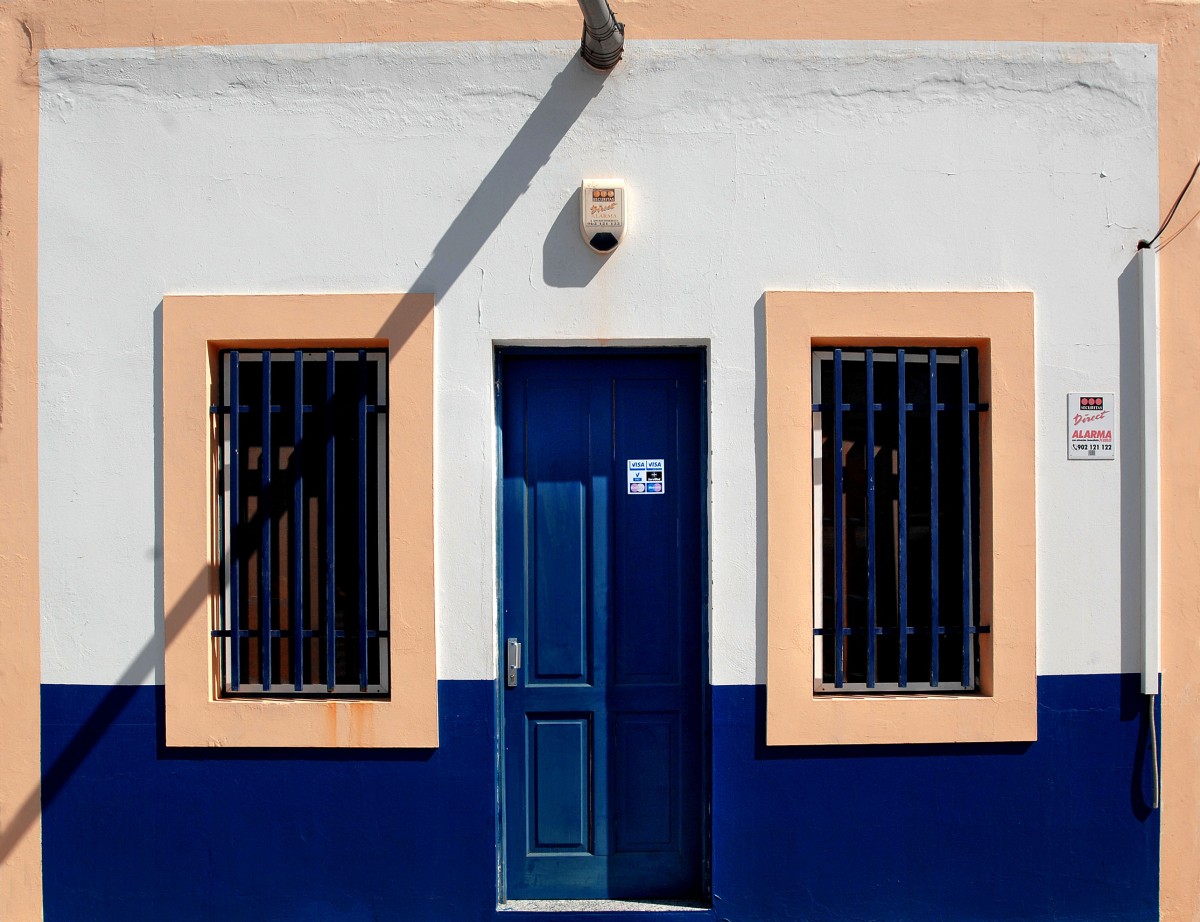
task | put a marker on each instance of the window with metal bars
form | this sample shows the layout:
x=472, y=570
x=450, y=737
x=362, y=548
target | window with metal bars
x=896, y=519
x=302, y=483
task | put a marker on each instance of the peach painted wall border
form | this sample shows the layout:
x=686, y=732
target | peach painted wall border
x=29, y=26
x=20, y=618
x=1000, y=325
x=194, y=329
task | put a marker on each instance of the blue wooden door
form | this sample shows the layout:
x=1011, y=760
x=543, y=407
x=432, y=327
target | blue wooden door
x=603, y=574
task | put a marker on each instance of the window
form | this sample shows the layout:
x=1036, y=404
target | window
x=302, y=482
x=896, y=540
x=240, y=564
x=983, y=527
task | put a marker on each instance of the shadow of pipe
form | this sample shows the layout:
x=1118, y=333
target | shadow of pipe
x=509, y=178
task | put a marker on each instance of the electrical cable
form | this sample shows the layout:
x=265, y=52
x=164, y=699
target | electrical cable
x=1142, y=244
x=1153, y=749
x=1167, y=241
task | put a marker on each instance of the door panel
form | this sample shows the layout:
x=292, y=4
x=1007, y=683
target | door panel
x=647, y=760
x=604, y=756
x=560, y=806
x=558, y=471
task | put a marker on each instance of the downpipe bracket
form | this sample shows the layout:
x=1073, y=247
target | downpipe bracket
x=603, y=39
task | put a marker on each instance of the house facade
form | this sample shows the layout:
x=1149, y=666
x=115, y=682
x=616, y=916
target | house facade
x=378, y=545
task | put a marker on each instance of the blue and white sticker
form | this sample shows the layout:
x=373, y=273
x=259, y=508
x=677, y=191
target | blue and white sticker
x=647, y=475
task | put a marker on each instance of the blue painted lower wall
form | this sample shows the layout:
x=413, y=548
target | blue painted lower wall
x=1057, y=829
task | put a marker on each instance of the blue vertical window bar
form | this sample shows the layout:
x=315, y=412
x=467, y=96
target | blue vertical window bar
x=266, y=527
x=896, y=463
x=363, y=525
x=302, y=499
x=334, y=612
x=296, y=549
x=869, y=463
x=232, y=458
x=935, y=532
x=901, y=529
x=967, y=593
x=839, y=529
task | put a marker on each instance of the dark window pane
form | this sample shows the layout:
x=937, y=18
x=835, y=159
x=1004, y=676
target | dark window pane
x=317, y=549
x=931, y=530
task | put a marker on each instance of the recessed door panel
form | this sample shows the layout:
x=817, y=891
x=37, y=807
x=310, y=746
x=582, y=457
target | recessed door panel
x=646, y=762
x=558, y=755
x=604, y=757
x=559, y=473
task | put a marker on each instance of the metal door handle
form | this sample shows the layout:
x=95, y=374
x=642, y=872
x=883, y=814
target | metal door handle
x=512, y=660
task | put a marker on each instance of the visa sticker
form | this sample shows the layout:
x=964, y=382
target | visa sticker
x=646, y=476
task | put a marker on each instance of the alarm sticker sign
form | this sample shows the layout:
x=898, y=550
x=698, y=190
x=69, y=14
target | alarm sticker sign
x=1091, y=426
x=646, y=476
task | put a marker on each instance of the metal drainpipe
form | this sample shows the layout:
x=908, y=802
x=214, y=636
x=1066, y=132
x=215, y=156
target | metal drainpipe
x=603, y=37
x=1151, y=501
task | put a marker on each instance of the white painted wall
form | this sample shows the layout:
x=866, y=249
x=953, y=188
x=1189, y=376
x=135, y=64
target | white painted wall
x=451, y=168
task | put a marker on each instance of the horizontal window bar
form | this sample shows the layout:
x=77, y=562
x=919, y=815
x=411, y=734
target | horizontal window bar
x=891, y=405
x=275, y=408
x=895, y=687
x=288, y=690
x=307, y=635
x=889, y=355
x=910, y=630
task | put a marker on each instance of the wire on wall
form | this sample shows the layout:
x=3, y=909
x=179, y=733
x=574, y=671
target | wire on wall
x=1156, y=798
x=1143, y=244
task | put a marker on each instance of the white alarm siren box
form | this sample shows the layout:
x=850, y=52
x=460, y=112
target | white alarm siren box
x=603, y=213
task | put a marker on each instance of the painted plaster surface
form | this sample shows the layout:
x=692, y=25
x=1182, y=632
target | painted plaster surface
x=452, y=169
x=1055, y=831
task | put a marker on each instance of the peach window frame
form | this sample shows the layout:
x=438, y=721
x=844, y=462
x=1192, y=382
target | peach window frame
x=195, y=328
x=1001, y=326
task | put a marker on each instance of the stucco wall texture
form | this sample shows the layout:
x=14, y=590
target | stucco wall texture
x=453, y=169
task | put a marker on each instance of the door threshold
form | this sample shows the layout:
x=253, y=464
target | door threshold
x=602, y=906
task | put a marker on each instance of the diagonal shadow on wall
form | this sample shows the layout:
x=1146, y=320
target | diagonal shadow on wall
x=530, y=149
x=570, y=92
